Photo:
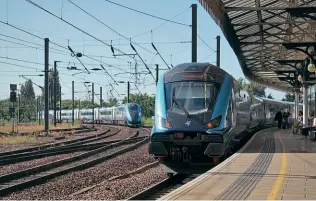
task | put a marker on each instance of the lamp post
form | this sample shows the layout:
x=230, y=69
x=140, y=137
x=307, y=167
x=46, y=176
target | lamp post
x=308, y=68
x=55, y=90
x=87, y=82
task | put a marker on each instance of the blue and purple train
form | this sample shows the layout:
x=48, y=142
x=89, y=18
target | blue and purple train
x=129, y=114
x=202, y=115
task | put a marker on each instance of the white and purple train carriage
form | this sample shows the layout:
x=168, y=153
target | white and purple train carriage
x=129, y=114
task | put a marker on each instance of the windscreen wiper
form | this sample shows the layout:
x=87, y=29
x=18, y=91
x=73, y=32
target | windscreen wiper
x=180, y=106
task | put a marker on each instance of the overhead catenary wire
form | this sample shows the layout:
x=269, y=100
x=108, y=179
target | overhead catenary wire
x=206, y=44
x=20, y=65
x=74, y=54
x=11, y=25
x=160, y=55
x=29, y=46
x=90, y=57
x=157, y=27
x=84, y=55
x=171, y=21
x=142, y=61
x=20, y=60
x=139, y=43
x=108, y=74
x=108, y=26
x=47, y=11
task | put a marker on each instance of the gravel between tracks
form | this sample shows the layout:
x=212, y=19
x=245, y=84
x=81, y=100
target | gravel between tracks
x=29, y=164
x=124, y=188
x=63, y=186
x=125, y=133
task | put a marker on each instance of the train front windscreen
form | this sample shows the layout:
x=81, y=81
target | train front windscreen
x=191, y=97
x=133, y=110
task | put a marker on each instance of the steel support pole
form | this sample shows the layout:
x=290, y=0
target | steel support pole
x=127, y=92
x=92, y=105
x=101, y=97
x=194, y=32
x=60, y=105
x=19, y=105
x=38, y=110
x=297, y=106
x=73, y=102
x=46, y=83
x=55, y=92
x=305, y=106
x=218, y=52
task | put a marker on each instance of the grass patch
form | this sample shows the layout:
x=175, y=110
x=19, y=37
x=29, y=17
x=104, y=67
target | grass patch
x=34, y=127
x=147, y=121
x=17, y=140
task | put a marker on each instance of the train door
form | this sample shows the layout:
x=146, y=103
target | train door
x=264, y=113
x=233, y=106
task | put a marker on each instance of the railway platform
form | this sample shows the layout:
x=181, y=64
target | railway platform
x=273, y=165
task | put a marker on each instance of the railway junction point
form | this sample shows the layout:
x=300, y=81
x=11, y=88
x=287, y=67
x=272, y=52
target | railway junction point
x=275, y=42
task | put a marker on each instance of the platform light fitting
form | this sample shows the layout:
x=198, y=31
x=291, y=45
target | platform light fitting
x=299, y=78
x=311, y=50
x=298, y=65
x=311, y=68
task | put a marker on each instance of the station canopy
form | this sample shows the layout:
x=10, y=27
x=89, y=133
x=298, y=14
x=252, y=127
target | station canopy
x=258, y=31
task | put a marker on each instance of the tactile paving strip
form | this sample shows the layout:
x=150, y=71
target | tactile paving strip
x=242, y=187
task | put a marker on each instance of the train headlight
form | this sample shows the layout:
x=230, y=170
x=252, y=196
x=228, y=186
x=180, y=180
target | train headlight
x=214, y=122
x=178, y=135
x=164, y=123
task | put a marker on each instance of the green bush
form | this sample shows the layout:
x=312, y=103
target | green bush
x=147, y=121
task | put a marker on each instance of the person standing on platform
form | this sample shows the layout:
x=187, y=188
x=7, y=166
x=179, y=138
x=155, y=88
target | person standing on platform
x=278, y=117
x=286, y=116
x=299, y=123
x=309, y=128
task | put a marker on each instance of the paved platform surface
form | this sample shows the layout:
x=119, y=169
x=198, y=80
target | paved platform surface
x=273, y=165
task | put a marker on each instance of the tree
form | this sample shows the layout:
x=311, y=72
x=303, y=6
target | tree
x=241, y=82
x=4, y=109
x=27, y=100
x=51, y=87
x=112, y=102
x=147, y=103
x=289, y=97
x=253, y=88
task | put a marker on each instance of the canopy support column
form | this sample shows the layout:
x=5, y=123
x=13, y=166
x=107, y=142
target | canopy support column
x=305, y=107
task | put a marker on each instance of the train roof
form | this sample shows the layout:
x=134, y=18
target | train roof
x=276, y=101
x=195, y=71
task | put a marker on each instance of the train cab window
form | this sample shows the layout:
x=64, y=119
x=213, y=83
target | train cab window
x=191, y=97
x=133, y=108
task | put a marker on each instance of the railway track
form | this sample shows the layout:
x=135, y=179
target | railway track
x=82, y=140
x=85, y=145
x=40, y=174
x=165, y=186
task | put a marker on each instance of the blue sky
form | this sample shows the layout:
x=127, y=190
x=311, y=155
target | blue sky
x=172, y=41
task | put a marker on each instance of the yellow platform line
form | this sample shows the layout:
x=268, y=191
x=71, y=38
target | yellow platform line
x=279, y=180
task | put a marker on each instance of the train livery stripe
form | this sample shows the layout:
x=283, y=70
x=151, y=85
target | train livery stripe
x=223, y=99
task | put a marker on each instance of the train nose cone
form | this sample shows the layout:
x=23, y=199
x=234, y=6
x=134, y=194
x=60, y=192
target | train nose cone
x=134, y=118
